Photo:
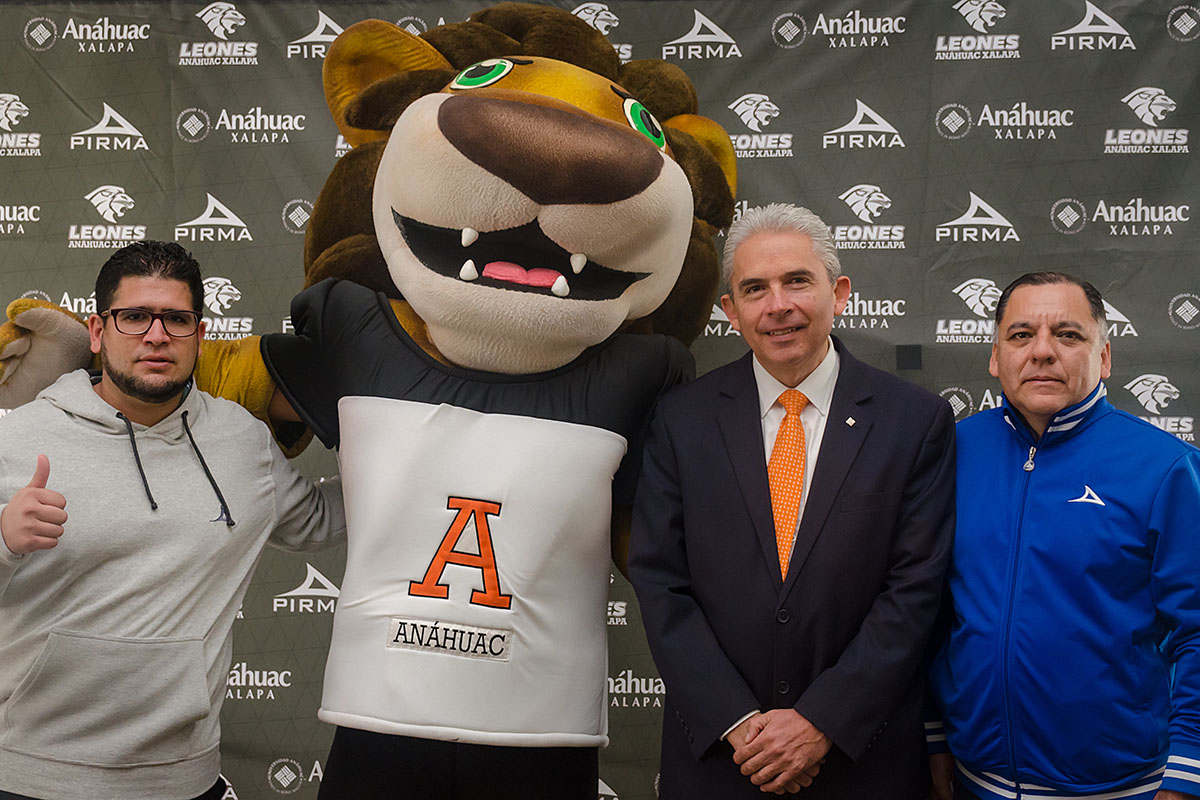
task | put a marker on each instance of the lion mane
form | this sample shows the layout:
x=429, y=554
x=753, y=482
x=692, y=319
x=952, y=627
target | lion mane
x=340, y=240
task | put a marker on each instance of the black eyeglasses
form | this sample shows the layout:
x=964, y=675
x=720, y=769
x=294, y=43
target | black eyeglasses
x=136, y=321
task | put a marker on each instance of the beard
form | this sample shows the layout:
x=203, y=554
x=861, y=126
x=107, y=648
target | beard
x=140, y=388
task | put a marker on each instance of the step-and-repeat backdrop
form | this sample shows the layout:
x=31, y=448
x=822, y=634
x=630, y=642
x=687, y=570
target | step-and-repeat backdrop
x=951, y=145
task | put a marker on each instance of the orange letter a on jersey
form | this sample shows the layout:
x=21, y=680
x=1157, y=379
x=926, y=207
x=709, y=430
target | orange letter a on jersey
x=446, y=554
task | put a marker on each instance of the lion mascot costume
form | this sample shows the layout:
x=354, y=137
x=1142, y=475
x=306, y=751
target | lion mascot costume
x=502, y=277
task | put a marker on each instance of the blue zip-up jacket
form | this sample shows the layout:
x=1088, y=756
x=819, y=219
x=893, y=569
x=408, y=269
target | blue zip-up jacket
x=1075, y=589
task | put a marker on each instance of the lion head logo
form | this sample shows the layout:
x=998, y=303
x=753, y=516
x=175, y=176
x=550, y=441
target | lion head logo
x=222, y=19
x=110, y=201
x=1150, y=104
x=756, y=110
x=980, y=295
x=12, y=111
x=1153, y=392
x=598, y=16
x=981, y=14
x=220, y=294
x=866, y=201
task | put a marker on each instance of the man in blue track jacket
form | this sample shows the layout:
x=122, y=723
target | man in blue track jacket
x=1071, y=666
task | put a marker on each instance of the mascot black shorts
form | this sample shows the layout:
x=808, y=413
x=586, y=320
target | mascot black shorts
x=376, y=766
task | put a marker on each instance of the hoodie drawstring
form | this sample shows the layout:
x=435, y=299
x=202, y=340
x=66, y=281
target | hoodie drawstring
x=138, y=460
x=212, y=481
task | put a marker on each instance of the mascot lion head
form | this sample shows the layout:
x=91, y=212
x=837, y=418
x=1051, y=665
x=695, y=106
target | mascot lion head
x=525, y=193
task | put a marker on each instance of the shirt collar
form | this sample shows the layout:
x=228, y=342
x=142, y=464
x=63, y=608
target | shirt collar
x=817, y=387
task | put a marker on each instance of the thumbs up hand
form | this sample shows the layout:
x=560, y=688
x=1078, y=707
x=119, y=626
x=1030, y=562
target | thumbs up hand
x=34, y=517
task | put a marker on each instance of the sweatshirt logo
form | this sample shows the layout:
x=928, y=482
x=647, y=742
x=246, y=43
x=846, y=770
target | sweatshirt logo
x=1089, y=496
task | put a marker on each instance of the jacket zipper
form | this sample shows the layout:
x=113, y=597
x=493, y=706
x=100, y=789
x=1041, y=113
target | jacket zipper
x=1012, y=589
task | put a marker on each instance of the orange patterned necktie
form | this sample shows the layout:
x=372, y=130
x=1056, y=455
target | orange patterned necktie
x=785, y=471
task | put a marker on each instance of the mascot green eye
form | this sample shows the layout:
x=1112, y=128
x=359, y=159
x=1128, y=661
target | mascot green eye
x=644, y=122
x=485, y=73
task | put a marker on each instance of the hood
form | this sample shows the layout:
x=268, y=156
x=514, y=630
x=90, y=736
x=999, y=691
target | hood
x=73, y=393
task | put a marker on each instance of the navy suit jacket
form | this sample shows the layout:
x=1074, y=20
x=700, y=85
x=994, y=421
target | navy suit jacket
x=842, y=637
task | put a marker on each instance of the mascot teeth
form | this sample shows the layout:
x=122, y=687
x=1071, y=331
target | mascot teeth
x=578, y=261
x=560, y=287
x=468, y=273
x=469, y=235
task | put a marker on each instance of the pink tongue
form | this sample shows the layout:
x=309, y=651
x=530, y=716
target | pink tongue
x=515, y=273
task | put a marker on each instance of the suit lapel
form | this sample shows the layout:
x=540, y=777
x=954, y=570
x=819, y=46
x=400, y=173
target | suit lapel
x=839, y=447
x=740, y=422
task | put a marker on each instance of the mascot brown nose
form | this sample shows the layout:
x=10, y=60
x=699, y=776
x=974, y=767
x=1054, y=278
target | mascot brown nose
x=552, y=155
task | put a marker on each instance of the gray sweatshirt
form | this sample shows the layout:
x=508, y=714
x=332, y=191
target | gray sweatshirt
x=115, y=645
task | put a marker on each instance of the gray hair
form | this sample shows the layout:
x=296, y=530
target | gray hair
x=782, y=218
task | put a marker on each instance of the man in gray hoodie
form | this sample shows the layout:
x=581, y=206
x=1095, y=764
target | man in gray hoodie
x=121, y=571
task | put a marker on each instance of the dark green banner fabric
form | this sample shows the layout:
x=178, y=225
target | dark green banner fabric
x=950, y=145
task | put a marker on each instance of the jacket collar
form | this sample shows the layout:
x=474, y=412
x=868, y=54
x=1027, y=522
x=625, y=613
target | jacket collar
x=1065, y=423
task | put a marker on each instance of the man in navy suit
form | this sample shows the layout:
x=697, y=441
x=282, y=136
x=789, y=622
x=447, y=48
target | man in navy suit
x=790, y=638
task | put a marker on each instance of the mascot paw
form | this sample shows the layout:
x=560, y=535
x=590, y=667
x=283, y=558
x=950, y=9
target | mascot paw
x=39, y=342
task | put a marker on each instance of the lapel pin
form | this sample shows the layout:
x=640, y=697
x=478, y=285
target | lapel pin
x=850, y=421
